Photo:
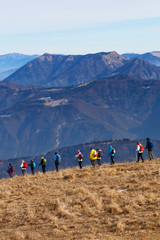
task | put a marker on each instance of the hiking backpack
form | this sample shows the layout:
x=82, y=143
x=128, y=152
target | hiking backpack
x=58, y=158
x=141, y=148
x=44, y=162
x=100, y=154
x=80, y=156
x=151, y=144
x=25, y=165
x=34, y=164
x=113, y=150
x=95, y=154
x=12, y=169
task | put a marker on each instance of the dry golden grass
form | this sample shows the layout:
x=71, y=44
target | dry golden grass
x=108, y=202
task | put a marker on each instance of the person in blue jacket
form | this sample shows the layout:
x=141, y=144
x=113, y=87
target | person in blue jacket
x=149, y=146
x=32, y=165
x=112, y=154
x=56, y=160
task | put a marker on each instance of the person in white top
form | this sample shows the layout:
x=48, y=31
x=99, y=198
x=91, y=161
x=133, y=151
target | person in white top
x=140, y=150
x=79, y=157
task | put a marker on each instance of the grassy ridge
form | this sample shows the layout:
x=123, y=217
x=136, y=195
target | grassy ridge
x=108, y=202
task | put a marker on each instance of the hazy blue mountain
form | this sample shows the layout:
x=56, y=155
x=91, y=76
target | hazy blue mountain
x=131, y=56
x=63, y=70
x=5, y=74
x=37, y=120
x=13, y=61
x=139, y=68
x=151, y=57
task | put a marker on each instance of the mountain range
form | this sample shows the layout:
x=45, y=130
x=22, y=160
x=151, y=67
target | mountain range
x=35, y=120
x=62, y=100
x=65, y=70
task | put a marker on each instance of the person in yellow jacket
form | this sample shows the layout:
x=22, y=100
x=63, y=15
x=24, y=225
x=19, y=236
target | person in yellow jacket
x=93, y=156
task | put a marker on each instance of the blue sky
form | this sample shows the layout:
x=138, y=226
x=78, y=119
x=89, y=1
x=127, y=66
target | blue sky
x=79, y=27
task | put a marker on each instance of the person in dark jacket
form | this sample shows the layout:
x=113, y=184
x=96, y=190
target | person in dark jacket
x=111, y=154
x=43, y=163
x=56, y=160
x=32, y=165
x=10, y=170
x=149, y=146
x=99, y=156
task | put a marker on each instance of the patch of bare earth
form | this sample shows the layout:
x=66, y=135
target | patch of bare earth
x=108, y=202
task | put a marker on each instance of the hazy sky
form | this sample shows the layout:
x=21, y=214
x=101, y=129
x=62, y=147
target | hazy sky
x=79, y=26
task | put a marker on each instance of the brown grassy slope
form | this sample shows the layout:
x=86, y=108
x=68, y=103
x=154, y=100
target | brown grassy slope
x=83, y=203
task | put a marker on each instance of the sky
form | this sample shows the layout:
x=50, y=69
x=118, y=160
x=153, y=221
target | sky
x=79, y=26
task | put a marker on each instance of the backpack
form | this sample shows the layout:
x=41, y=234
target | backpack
x=113, y=150
x=34, y=164
x=25, y=165
x=44, y=162
x=141, y=148
x=151, y=144
x=12, y=169
x=80, y=156
x=95, y=154
x=100, y=154
x=58, y=158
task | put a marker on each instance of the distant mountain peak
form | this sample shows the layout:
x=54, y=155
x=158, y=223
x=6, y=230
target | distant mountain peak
x=140, y=68
x=156, y=54
x=140, y=61
x=114, y=53
x=151, y=57
x=13, y=61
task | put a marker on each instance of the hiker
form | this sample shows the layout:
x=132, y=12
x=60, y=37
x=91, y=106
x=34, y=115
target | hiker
x=32, y=165
x=79, y=157
x=93, y=156
x=149, y=146
x=10, y=170
x=140, y=150
x=43, y=163
x=23, y=167
x=112, y=152
x=56, y=160
x=99, y=156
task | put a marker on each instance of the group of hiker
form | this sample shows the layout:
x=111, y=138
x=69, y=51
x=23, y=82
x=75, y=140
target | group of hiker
x=95, y=156
x=32, y=165
x=140, y=150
